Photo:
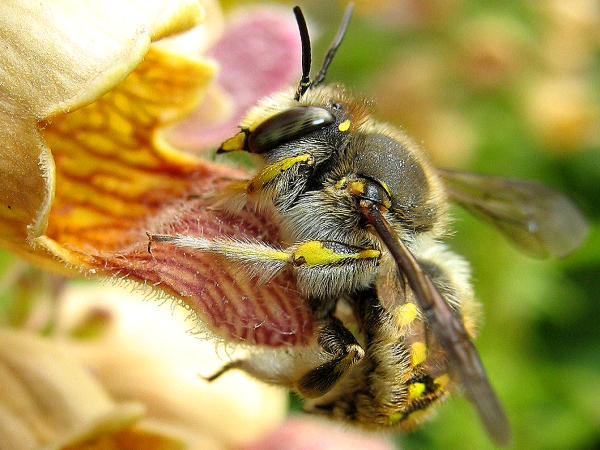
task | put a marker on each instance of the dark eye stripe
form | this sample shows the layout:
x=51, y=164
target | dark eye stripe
x=287, y=125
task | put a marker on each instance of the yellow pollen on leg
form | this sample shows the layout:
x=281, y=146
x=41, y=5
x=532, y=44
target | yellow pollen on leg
x=366, y=254
x=348, y=360
x=314, y=253
x=418, y=353
x=396, y=417
x=341, y=183
x=270, y=172
x=442, y=381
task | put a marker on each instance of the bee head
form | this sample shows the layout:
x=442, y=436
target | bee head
x=397, y=174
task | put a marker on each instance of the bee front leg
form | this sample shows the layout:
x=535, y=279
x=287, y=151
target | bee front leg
x=323, y=269
x=277, y=183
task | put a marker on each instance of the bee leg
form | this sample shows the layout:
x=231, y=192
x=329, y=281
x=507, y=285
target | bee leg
x=236, y=364
x=373, y=318
x=311, y=260
x=281, y=181
x=270, y=172
x=334, y=353
x=344, y=351
x=259, y=259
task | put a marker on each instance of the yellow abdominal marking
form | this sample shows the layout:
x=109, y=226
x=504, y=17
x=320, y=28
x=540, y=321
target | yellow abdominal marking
x=270, y=172
x=314, y=253
x=414, y=415
x=396, y=417
x=234, y=143
x=344, y=126
x=405, y=314
x=415, y=390
x=442, y=381
x=418, y=353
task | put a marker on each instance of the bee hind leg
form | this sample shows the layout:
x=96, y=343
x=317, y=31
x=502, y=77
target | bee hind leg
x=320, y=365
x=236, y=364
x=338, y=343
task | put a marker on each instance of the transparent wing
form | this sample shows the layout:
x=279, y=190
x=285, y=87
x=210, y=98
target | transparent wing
x=448, y=329
x=541, y=221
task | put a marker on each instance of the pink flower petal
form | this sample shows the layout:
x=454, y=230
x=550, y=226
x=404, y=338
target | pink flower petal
x=258, y=55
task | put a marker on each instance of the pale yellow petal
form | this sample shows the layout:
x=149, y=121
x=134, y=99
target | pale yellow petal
x=56, y=57
x=47, y=396
x=146, y=354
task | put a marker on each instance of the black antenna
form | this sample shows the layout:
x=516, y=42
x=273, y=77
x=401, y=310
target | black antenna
x=337, y=40
x=305, y=82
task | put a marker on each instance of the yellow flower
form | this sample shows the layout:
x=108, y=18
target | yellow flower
x=87, y=170
x=64, y=55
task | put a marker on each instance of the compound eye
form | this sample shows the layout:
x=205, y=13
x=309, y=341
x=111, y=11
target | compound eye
x=287, y=125
x=372, y=191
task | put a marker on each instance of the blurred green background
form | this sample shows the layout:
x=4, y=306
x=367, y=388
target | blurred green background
x=507, y=88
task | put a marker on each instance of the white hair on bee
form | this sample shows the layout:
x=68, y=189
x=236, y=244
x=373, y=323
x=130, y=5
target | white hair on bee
x=262, y=261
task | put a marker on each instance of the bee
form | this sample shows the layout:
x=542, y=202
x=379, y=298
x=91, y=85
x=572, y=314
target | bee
x=363, y=215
